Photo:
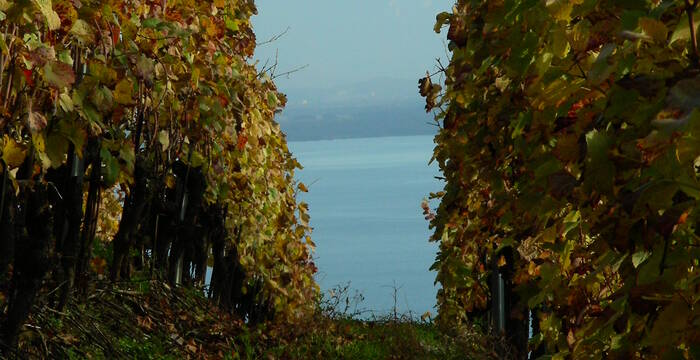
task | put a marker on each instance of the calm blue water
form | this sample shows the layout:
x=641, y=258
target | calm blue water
x=364, y=199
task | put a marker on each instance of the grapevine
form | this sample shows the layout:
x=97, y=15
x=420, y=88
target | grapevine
x=569, y=140
x=144, y=126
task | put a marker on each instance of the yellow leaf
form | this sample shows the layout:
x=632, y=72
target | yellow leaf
x=211, y=28
x=52, y=19
x=197, y=159
x=123, y=92
x=65, y=101
x=82, y=31
x=302, y=187
x=654, y=28
x=12, y=153
x=195, y=77
x=170, y=181
x=561, y=9
x=560, y=44
x=310, y=242
x=39, y=142
x=164, y=139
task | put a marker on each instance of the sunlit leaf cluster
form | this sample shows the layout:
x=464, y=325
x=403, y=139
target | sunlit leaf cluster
x=146, y=84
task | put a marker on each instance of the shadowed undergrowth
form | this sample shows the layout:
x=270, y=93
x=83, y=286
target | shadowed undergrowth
x=149, y=320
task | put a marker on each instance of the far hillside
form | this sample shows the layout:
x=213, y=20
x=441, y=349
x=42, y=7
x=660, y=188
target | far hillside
x=376, y=108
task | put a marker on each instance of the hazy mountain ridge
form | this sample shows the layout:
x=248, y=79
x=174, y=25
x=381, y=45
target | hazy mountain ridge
x=381, y=107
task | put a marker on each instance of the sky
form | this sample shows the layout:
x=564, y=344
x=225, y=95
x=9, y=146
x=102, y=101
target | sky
x=347, y=42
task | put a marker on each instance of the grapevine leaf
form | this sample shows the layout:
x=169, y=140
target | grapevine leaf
x=59, y=74
x=671, y=320
x=52, y=19
x=164, y=139
x=37, y=121
x=123, y=92
x=601, y=69
x=126, y=153
x=600, y=171
x=83, y=32
x=13, y=154
x=145, y=68
x=56, y=148
x=685, y=95
x=440, y=21
x=682, y=30
x=66, y=102
x=110, y=172
x=639, y=257
x=654, y=28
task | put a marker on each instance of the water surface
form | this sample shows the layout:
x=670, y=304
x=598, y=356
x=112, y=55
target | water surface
x=369, y=230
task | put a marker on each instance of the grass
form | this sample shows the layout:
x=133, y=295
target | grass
x=382, y=339
x=341, y=331
x=148, y=320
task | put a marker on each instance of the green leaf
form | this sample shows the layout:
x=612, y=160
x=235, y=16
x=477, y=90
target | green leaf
x=672, y=320
x=65, y=57
x=3, y=45
x=110, y=172
x=657, y=196
x=197, y=159
x=685, y=95
x=649, y=271
x=639, y=257
x=600, y=171
x=52, y=19
x=108, y=14
x=65, y=101
x=547, y=168
x=127, y=154
x=56, y=148
x=104, y=74
x=151, y=23
x=231, y=24
x=83, y=32
x=566, y=255
x=75, y=133
x=682, y=30
x=560, y=44
x=601, y=69
x=272, y=100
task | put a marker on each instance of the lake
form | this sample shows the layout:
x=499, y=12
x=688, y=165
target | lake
x=364, y=200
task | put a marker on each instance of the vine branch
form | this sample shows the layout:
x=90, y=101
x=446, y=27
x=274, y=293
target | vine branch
x=690, y=9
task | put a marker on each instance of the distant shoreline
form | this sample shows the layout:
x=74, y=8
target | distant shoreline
x=357, y=137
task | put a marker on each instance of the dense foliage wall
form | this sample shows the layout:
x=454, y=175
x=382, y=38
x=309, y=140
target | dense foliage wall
x=570, y=142
x=144, y=120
